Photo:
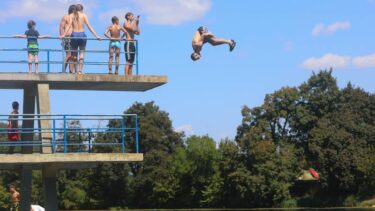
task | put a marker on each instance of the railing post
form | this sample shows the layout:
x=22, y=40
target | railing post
x=65, y=134
x=48, y=61
x=63, y=58
x=54, y=136
x=89, y=131
x=136, y=133
x=123, y=134
x=136, y=56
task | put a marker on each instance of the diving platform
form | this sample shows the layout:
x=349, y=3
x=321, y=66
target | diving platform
x=66, y=160
x=91, y=82
x=61, y=142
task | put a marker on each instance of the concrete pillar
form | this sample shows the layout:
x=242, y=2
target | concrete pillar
x=49, y=172
x=26, y=175
x=44, y=108
x=26, y=170
x=29, y=94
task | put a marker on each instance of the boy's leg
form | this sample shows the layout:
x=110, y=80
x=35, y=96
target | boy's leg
x=117, y=60
x=81, y=59
x=130, y=56
x=73, y=60
x=67, y=61
x=82, y=48
x=129, y=66
x=30, y=62
x=110, y=60
x=36, y=62
x=130, y=71
x=218, y=41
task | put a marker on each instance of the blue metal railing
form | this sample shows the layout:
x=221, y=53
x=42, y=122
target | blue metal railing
x=72, y=133
x=60, y=60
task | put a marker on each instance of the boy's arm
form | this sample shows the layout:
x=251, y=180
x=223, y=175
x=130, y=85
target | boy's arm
x=20, y=36
x=208, y=34
x=43, y=36
x=90, y=27
x=124, y=34
x=62, y=23
x=129, y=27
x=137, y=30
x=106, y=33
x=69, y=25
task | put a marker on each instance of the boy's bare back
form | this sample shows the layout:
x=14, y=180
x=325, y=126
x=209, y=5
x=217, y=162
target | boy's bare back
x=78, y=23
x=115, y=31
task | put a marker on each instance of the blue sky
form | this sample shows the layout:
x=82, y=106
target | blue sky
x=279, y=43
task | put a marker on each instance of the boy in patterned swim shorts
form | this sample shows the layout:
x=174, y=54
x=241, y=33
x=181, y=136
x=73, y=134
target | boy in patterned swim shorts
x=32, y=36
x=113, y=33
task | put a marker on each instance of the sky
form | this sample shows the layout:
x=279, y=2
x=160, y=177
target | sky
x=279, y=43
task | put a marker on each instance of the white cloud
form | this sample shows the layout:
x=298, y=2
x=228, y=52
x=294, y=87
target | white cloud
x=173, y=12
x=327, y=61
x=187, y=129
x=367, y=61
x=44, y=10
x=320, y=28
x=167, y=12
x=107, y=16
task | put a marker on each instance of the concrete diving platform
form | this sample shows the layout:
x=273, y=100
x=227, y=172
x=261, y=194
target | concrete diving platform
x=94, y=82
x=66, y=160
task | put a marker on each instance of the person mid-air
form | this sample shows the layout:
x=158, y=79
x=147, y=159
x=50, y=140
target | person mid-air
x=202, y=36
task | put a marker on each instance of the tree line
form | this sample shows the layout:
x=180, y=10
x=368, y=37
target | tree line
x=315, y=125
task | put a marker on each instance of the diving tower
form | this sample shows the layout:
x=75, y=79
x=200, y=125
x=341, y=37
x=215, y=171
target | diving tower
x=36, y=96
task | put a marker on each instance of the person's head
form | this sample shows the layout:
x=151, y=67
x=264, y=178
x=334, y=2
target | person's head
x=115, y=20
x=195, y=56
x=12, y=188
x=31, y=24
x=129, y=16
x=72, y=8
x=15, y=105
x=79, y=7
x=202, y=29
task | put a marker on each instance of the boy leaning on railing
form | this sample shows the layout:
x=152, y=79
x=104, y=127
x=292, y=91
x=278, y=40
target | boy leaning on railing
x=32, y=36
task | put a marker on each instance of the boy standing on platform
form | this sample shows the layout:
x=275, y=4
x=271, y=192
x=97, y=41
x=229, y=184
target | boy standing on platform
x=132, y=27
x=13, y=133
x=113, y=33
x=32, y=36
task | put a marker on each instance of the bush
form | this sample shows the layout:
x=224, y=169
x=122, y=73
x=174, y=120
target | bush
x=350, y=201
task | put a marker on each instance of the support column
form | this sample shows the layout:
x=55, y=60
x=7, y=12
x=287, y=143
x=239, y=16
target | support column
x=26, y=175
x=29, y=94
x=26, y=170
x=49, y=174
x=44, y=108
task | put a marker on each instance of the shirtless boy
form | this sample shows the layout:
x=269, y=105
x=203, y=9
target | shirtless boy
x=77, y=22
x=202, y=36
x=113, y=33
x=15, y=198
x=132, y=28
x=66, y=42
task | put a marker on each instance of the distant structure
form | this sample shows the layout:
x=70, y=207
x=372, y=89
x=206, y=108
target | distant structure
x=36, y=96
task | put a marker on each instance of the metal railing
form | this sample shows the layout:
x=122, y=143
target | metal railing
x=60, y=58
x=71, y=133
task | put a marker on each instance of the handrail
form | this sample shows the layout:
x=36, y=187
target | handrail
x=63, y=130
x=61, y=62
x=59, y=38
